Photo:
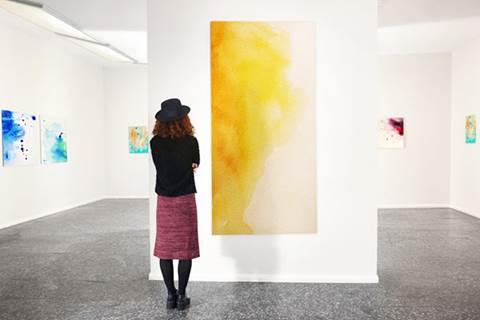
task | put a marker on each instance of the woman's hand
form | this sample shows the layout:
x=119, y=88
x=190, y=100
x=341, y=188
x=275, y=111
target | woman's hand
x=194, y=166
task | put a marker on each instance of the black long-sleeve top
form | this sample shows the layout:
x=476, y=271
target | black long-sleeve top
x=173, y=160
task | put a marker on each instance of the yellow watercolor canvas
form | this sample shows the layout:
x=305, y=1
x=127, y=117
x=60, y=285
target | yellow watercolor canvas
x=263, y=127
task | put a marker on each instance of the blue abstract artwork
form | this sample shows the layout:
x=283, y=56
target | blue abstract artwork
x=54, y=142
x=20, y=139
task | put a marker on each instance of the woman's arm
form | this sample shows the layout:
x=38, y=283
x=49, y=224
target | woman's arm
x=196, y=153
x=154, y=151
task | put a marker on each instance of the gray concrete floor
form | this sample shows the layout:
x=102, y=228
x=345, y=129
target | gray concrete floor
x=91, y=263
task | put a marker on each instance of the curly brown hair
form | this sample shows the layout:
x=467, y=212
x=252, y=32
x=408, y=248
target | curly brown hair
x=174, y=129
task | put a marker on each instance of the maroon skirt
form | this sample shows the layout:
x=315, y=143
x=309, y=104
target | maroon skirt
x=177, y=235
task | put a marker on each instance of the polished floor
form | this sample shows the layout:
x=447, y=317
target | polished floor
x=91, y=263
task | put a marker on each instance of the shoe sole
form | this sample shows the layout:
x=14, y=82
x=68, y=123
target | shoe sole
x=183, y=307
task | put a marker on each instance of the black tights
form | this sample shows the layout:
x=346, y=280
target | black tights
x=184, y=267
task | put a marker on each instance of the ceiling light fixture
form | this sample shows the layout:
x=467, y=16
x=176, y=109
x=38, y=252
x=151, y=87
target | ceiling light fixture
x=45, y=17
x=102, y=49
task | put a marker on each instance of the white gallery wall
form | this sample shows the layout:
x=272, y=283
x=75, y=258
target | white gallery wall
x=418, y=88
x=126, y=105
x=41, y=75
x=345, y=246
x=465, y=158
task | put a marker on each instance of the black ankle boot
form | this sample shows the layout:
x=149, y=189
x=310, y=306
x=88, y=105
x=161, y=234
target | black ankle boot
x=183, y=302
x=172, y=300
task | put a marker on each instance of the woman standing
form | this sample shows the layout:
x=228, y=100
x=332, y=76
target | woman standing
x=176, y=156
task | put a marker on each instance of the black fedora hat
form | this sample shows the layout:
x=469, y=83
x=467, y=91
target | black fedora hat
x=171, y=110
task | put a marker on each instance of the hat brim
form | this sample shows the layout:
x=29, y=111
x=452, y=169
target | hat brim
x=164, y=118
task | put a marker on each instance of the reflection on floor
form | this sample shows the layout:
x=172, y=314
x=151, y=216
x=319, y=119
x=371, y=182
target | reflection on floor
x=91, y=262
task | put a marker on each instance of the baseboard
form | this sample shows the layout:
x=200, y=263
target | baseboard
x=58, y=210
x=464, y=211
x=50, y=212
x=276, y=278
x=416, y=206
x=432, y=206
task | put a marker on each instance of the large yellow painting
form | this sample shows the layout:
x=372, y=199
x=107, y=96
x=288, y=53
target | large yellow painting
x=263, y=127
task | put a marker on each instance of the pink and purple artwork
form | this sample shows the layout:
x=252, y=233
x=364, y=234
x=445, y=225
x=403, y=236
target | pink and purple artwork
x=391, y=133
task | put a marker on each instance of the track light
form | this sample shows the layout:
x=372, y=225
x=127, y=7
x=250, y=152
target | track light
x=102, y=49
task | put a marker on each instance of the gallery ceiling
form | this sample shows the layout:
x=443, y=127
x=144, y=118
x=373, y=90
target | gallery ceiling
x=131, y=15
x=426, y=26
x=125, y=15
x=401, y=12
x=121, y=23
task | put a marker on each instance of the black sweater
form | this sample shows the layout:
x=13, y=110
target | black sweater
x=173, y=160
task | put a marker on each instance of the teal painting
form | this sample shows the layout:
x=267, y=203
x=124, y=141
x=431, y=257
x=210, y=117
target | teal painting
x=471, y=129
x=54, y=142
x=138, y=139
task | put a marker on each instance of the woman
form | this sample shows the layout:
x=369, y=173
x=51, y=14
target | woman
x=176, y=156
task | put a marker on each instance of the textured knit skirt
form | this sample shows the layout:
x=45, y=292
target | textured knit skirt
x=177, y=235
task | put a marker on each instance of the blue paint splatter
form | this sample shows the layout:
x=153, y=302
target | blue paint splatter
x=59, y=149
x=54, y=144
x=12, y=134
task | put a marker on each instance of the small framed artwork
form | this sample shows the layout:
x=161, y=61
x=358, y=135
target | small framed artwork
x=20, y=139
x=471, y=129
x=54, y=142
x=138, y=139
x=391, y=133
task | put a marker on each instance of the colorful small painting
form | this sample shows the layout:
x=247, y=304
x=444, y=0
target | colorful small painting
x=263, y=120
x=391, y=133
x=54, y=142
x=471, y=129
x=138, y=139
x=20, y=138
